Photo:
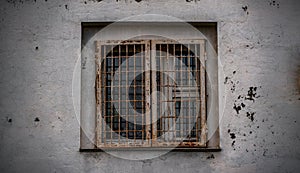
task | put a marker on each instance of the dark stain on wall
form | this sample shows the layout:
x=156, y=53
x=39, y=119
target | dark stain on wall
x=192, y=0
x=237, y=108
x=243, y=105
x=37, y=119
x=274, y=4
x=250, y=115
x=232, y=135
x=92, y=1
x=232, y=83
x=232, y=87
x=9, y=120
x=245, y=8
x=251, y=94
x=226, y=80
x=210, y=157
x=138, y=1
x=232, y=144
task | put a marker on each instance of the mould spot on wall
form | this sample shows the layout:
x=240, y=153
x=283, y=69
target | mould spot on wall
x=138, y=0
x=233, y=142
x=243, y=105
x=237, y=108
x=37, y=119
x=36, y=48
x=226, y=80
x=232, y=83
x=233, y=87
x=94, y=1
x=250, y=115
x=191, y=0
x=251, y=94
x=66, y=7
x=274, y=4
x=232, y=136
x=245, y=8
x=210, y=156
x=9, y=120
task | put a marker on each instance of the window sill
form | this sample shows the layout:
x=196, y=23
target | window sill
x=178, y=149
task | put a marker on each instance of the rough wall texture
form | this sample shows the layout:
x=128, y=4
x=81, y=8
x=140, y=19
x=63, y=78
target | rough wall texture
x=259, y=46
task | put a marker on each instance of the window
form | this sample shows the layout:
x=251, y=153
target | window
x=149, y=85
x=150, y=93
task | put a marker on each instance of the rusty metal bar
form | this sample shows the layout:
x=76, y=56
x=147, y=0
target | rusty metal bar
x=162, y=89
x=111, y=93
x=181, y=112
x=168, y=92
x=189, y=89
x=197, y=66
x=143, y=101
x=127, y=112
x=154, y=95
x=174, y=127
x=98, y=94
x=120, y=95
x=203, y=94
x=147, y=91
x=134, y=94
x=105, y=94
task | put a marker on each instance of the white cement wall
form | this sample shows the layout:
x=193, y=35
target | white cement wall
x=258, y=47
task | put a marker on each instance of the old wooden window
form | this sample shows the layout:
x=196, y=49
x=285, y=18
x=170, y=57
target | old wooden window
x=151, y=93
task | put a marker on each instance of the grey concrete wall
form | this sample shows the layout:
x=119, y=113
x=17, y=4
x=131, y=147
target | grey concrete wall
x=258, y=51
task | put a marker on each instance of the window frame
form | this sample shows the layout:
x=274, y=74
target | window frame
x=84, y=86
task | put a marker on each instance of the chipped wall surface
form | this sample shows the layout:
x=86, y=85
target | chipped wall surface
x=258, y=49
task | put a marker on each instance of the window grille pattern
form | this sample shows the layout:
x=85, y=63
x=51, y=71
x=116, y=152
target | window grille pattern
x=151, y=93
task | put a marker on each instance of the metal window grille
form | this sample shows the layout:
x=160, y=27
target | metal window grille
x=151, y=93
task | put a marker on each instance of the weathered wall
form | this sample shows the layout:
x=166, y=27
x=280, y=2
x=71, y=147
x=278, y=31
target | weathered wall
x=258, y=49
